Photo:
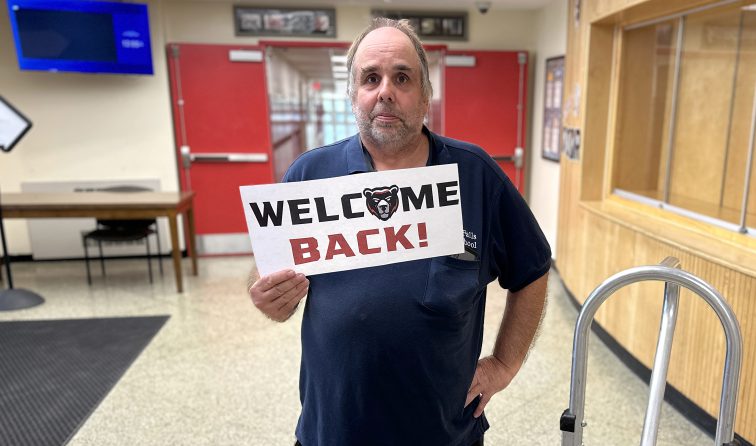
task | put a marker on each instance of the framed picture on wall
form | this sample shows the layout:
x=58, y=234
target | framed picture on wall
x=552, y=108
x=301, y=22
x=451, y=25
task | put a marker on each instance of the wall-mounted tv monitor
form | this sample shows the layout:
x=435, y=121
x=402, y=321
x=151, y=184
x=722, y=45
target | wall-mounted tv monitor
x=81, y=35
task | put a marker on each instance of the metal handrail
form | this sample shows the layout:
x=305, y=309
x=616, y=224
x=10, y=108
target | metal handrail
x=572, y=421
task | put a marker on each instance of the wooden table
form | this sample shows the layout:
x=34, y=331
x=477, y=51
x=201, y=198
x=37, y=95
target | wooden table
x=112, y=205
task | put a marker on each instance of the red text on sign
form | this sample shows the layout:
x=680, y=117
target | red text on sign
x=368, y=241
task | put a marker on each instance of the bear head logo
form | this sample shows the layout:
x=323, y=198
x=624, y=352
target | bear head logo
x=382, y=201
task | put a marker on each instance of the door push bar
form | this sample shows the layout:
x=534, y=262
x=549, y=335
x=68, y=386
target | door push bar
x=572, y=421
x=188, y=158
x=516, y=158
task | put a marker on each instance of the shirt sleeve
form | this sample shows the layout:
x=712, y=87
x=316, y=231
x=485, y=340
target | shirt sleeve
x=521, y=253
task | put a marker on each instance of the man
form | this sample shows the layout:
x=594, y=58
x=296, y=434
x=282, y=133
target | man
x=390, y=353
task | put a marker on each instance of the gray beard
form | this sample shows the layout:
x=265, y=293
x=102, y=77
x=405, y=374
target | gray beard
x=389, y=137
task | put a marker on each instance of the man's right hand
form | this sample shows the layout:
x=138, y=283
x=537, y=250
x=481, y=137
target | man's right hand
x=277, y=295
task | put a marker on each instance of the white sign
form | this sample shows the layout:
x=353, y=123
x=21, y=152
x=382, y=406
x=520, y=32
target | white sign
x=13, y=125
x=355, y=221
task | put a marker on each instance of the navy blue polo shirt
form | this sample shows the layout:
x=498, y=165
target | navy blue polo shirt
x=389, y=352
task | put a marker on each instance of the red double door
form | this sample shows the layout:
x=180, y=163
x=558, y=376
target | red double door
x=223, y=133
x=485, y=97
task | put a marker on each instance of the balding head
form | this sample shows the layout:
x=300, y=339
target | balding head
x=405, y=27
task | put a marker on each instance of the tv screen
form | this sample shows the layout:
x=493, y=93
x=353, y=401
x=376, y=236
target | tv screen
x=81, y=35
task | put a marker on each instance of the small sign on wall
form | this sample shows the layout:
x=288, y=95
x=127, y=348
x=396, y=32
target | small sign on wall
x=300, y=22
x=571, y=138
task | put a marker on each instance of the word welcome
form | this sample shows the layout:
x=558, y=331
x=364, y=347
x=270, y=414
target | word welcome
x=300, y=210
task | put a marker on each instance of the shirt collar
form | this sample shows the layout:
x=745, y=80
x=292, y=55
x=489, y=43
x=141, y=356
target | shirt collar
x=359, y=161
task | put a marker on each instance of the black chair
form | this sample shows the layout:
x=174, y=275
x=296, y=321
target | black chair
x=121, y=231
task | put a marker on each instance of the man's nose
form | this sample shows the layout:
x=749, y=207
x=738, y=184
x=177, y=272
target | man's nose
x=386, y=91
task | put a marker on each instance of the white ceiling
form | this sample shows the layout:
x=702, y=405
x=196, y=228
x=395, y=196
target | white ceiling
x=312, y=63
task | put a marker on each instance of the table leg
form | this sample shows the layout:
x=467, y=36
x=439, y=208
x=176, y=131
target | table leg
x=176, y=252
x=192, y=238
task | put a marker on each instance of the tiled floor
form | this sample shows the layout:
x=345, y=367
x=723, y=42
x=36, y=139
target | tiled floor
x=219, y=373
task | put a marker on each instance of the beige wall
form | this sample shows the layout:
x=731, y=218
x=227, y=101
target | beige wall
x=86, y=127
x=550, y=34
x=94, y=127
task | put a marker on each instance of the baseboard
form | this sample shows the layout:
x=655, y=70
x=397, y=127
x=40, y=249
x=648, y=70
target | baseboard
x=690, y=410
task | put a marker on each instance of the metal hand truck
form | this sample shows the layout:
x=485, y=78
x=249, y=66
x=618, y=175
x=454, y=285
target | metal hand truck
x=572, y=420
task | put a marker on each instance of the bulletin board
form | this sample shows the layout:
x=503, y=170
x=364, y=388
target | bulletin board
x=552, y=108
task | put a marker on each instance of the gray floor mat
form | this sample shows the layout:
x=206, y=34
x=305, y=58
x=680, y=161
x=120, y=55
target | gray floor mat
x=54, y=373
